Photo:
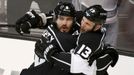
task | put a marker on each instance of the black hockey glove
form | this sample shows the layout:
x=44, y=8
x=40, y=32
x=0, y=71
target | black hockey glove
x=30, y=20
x=21, y=22
x=35, y=20
x=43, y=49
x=108, y=50
x=114, y=55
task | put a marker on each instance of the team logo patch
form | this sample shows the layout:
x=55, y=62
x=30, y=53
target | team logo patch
x=48, y=36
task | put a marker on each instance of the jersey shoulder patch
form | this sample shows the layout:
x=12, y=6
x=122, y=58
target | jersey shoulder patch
x=46, y=34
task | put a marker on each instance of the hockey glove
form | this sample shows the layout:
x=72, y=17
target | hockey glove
x=21, y=22
x=36, y=19
x=109, y=50
x=30, y=20
x=43, y=49
x=114, y=55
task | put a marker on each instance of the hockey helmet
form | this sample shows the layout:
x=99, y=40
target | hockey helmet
x=65, y=9
x=96, y=14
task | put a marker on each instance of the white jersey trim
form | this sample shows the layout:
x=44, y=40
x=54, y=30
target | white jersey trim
x=61, y=61
x=56, y=38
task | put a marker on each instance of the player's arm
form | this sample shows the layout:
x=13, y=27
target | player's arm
x=32, y=19
x=83, y=54
x=50, y=53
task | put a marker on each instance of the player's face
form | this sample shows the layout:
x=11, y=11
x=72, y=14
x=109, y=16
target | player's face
x=87, y=25
x=64, y=23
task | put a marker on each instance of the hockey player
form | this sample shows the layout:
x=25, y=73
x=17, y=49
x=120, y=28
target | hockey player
x=83, y=29
x=111, y=24
x=89, y=48
x=56, y=36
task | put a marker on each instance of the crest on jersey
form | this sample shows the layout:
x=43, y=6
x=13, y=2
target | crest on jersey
x=48, y=36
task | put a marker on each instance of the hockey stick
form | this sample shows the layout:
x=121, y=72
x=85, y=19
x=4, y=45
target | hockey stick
x=6, y=25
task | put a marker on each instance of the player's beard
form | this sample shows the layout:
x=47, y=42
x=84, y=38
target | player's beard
x=64, y=28
x=82, y=29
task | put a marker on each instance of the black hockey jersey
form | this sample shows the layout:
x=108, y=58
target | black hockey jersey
x=64, y=42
